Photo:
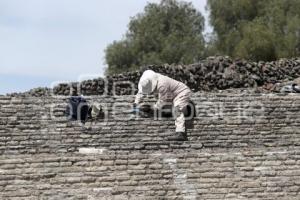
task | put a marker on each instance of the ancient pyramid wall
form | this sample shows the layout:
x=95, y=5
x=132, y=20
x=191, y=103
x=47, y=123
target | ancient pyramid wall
x=241, y=146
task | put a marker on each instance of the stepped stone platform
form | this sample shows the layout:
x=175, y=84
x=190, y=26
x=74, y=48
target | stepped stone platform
x=241, y=146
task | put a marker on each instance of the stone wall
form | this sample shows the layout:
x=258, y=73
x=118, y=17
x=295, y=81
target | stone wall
x=241, y=146
x=211, y=74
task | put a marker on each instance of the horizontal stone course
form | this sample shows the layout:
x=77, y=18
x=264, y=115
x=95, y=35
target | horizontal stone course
x=235, y=174
x=239, y=120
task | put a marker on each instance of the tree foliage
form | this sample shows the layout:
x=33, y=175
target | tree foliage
x=257, y=30
x=168, y=32
x=172, y=32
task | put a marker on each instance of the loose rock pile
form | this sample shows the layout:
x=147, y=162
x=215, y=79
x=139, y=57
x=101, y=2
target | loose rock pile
x=213, y=73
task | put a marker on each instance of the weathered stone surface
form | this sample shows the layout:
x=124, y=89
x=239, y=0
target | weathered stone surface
x=241, y=146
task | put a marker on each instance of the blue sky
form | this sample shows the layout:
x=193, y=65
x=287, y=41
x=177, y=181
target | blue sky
x=46, y=41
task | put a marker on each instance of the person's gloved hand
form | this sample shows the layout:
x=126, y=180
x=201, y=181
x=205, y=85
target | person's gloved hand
x=135, y=108
x=155, y=107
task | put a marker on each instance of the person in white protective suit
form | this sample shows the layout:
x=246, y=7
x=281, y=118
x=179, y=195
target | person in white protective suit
x=169, y=90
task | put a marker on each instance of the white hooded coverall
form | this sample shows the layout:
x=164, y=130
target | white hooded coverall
x=169, y=90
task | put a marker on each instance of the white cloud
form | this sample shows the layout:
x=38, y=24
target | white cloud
x=62, y=38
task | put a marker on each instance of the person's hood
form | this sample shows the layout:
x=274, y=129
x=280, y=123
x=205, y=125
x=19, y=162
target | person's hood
x=148, y=82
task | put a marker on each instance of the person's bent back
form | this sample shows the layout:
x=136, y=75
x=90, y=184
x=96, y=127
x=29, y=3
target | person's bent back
x=169, y=90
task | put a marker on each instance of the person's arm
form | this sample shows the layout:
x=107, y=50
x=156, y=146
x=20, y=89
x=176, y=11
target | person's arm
x=139, y=96
x=162, y=97
x=158, y=104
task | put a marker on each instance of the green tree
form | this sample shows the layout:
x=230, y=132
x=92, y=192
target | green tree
x=257, y=30
x=257, y=42
x=168, y=32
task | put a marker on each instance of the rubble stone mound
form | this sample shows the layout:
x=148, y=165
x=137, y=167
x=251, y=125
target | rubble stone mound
x=211, y=74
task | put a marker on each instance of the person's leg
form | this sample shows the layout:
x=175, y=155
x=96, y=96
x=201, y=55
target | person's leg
x=179, y=119
x=180, y=134
x=180, y=104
